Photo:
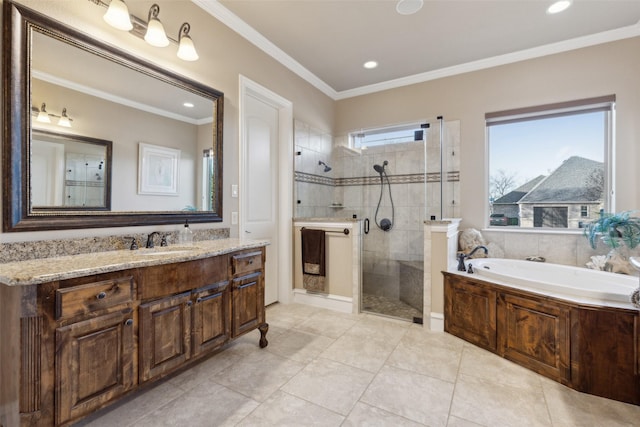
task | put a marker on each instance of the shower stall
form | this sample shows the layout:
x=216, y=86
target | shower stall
x=392, y=179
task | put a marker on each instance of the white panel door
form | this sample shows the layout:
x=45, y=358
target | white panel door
x=260, y=196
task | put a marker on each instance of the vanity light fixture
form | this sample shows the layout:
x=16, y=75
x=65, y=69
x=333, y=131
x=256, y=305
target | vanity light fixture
x=186, y=49
x=118, y=16
x=64, y=119
x=43, y=116
x=152, y=31
x=155, y=35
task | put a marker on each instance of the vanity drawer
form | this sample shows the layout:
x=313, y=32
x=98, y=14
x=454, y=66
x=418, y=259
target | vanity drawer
x=246, y=262
x=84, y=299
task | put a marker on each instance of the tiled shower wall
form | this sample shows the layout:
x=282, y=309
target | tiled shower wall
x=353, y=188
x=313, y=186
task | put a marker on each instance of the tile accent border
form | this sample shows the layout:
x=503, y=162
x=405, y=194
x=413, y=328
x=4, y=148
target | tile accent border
x=414, y=178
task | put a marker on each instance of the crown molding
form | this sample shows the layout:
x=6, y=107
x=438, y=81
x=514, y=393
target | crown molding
x=224, y=15
x=228, y=18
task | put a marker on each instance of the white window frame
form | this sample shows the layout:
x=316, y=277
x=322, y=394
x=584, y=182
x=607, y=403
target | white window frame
x=353, y=136
x=603, y=103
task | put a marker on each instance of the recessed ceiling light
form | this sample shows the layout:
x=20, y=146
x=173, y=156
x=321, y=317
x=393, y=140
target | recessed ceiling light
x=369, y=65
x=409, y=7
x=558, y=6
x=188, y=104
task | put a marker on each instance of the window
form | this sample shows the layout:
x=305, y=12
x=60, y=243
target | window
x=388, y=135
x=551, y=166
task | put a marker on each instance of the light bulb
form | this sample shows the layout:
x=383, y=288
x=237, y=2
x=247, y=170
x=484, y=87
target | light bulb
x=118, y=16
x=186, y=50
x=155, y=36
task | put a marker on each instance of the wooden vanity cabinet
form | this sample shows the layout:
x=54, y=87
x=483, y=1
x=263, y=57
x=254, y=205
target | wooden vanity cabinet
x=94, y=345
x=211, y=314
x=94, y=363
x=248, y=293
x=78, y=345
x=165, y=335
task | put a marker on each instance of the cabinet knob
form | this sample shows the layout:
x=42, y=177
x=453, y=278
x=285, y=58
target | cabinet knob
x=101, y=295
x=128, y=322
x=189, y=303
x=250, y=261
x=199, y=300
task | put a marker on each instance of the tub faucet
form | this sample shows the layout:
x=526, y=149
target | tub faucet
x=484, y=248
x=463, y=256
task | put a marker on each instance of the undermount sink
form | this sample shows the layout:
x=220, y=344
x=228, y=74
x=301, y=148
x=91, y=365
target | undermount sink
x=164, y=251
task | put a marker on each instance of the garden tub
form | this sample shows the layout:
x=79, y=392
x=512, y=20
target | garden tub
x=562, y=281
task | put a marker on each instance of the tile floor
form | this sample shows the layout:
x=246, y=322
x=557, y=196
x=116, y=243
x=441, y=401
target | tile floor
x=324, y=368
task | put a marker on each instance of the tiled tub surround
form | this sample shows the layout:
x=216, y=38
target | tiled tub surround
x=21, y=251
x=556, y=247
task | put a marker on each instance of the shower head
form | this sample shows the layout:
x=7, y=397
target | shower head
x=380, y=169
x=326, y=167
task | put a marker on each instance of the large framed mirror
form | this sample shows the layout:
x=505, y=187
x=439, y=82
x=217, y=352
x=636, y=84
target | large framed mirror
x=165, y=131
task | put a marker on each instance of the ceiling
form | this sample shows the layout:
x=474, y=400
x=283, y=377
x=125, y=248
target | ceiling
x=327, y=41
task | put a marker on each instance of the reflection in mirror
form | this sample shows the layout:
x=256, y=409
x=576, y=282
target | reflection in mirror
x=112, y=96
x=120, y=104
x=70, y=172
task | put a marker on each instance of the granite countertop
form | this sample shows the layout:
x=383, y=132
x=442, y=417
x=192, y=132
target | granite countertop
x=38, y=271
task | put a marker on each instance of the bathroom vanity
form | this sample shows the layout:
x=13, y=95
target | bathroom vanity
x=80, y=332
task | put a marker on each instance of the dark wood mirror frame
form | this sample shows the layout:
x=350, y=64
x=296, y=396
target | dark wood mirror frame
x=18, y=23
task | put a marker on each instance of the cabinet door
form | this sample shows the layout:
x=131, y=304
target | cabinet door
x=248, y=303
x=211, y=317
x=94, y=363
x=165, y=335
x=535, y=334
x=470, y=312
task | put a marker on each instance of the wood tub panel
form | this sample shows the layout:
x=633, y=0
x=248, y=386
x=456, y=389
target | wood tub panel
x=592, y=349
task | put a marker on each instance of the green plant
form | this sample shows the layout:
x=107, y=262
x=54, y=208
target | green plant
x=614, y=229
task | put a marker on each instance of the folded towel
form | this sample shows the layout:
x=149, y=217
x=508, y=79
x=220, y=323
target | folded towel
x=313, y=254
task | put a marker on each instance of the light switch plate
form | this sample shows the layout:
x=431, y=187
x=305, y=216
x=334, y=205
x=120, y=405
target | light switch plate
x=234, y=190
x=234, y=218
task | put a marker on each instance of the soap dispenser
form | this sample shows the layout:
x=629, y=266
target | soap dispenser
x=186, y=235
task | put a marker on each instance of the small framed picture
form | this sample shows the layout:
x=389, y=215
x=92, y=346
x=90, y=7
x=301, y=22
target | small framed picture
x=158, y=170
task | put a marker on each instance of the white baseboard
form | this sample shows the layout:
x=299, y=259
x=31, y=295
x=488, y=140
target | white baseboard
x=328, y=301
x=436, y=322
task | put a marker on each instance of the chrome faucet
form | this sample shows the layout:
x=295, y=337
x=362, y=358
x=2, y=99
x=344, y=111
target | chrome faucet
x=150, y=240
x=463, y=256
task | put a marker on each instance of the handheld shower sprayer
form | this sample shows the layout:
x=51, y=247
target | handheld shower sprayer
x=385, y=224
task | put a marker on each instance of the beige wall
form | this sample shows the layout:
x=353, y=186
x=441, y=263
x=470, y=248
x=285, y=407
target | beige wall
x=224, y=55
x=612, y=68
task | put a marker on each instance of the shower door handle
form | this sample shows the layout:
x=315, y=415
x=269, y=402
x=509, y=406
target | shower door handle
x=366, y=226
